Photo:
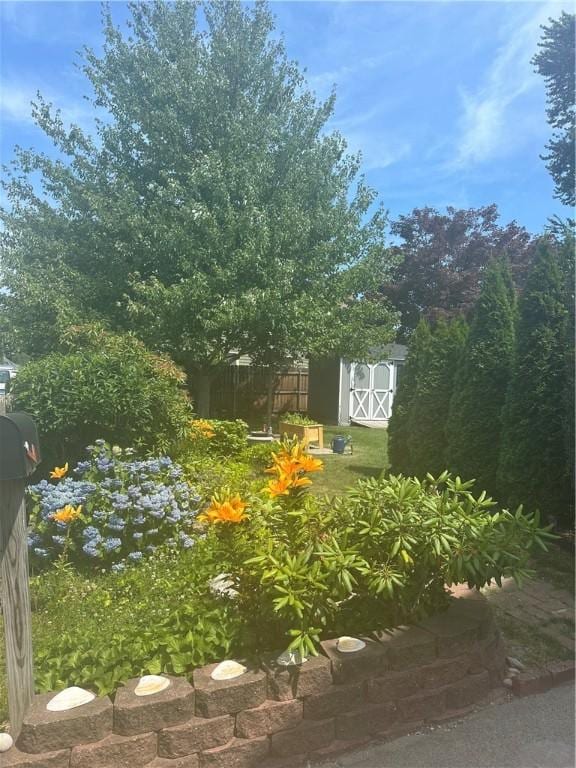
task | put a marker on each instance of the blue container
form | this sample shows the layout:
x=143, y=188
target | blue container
x=338, y=444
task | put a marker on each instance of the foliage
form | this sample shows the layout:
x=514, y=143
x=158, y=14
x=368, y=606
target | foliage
x=475, y=418
x=272, y=569
x=187, y=216
x=298, y=568
x=417, y=535
x=209, y=475
x=297, y=418
x=431, y=402
x=535, y=461
x=214, y=437
x=98, y=632
x=259, y=456
x=117, y=512
x=399, y=424
x=105, y=385
x=555, y=61
x=443, y=259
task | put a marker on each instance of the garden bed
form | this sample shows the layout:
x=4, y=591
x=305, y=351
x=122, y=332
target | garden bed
x=154, y=566
x=402, y=678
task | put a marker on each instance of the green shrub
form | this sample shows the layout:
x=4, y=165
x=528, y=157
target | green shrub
x=481, y=382
x=399, y=425
x=536, y=464
x=208, y=475
x=296, y=418
x=302, y=568
x=260, y=456
x=431, y=400
x=117, y=511
x=215, y=437
x=111, y=388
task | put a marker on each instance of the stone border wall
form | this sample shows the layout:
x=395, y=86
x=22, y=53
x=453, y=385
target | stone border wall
x=277, y=716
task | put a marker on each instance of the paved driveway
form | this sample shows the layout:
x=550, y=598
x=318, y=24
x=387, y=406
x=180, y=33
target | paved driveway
x=533, y=732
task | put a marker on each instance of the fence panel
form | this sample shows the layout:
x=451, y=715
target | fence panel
x=240, y=392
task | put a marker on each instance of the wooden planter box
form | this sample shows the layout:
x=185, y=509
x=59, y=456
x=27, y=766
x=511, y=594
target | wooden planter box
x=309, y=433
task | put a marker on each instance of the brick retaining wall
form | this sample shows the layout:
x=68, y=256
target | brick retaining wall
x=274, y=716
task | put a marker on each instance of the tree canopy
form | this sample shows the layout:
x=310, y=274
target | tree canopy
x=210, y=211
x=556, y=62
x=443, y=257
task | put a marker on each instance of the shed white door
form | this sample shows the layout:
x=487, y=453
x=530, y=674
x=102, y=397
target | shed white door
x=371, y=391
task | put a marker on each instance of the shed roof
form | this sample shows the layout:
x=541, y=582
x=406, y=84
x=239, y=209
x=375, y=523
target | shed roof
x=390, y=352
x=5, y=363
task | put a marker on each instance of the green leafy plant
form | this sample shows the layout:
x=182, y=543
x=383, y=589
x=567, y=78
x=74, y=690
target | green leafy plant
x=106, y=386
x=215, y=437
x=381, y=555
x=299, y=419
x=98, y=632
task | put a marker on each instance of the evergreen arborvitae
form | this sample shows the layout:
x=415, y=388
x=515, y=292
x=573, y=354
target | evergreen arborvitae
x=481, y=381
x=398, y=427
x=535, y=456
x=569, y=401
x=430, y=406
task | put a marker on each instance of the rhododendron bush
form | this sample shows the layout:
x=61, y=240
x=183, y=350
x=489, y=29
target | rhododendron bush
x=300, y=568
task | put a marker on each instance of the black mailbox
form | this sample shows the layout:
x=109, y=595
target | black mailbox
x=19, y=449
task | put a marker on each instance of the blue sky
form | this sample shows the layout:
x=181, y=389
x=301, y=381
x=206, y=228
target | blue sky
x=440, y=97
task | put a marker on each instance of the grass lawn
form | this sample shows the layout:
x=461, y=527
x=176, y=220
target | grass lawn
x=370, y=457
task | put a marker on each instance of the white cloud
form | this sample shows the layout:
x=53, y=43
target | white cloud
x=491, y=124
x=365, y=133
x=323, y=82
x=378, y=150
x=16, y=105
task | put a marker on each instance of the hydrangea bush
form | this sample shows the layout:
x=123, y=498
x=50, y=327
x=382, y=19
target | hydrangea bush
x=114, y=511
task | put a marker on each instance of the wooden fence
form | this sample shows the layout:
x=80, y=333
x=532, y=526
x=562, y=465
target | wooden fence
x=240, y=392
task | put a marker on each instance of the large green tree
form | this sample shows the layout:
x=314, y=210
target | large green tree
x=556, y=62
x=211, y=212
x=431, y=402
x=475, y=419
x=536, y=460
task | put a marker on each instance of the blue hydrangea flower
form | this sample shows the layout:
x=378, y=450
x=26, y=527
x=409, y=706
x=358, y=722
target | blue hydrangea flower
x=135, y=556
x=116, y=523
x=40, y=552
x=111, y=544
x=90, y=549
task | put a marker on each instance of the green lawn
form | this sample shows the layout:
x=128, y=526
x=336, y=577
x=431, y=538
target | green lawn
x=370, y=457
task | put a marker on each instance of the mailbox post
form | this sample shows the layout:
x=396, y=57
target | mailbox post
x=19, y=457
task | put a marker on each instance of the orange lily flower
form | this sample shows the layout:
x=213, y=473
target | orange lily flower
x=301, y=482
x=59, y=472
x=279, y=487
x=67, y=514
x=227, y=511
x=310, y=464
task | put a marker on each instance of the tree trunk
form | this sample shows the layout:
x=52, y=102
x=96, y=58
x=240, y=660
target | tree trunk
x=201, y=388
x=270, y=396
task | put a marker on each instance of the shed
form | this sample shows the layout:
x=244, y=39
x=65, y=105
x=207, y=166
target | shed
x=8, y=371
x=342, y=391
